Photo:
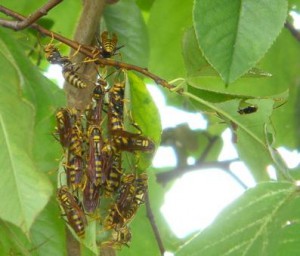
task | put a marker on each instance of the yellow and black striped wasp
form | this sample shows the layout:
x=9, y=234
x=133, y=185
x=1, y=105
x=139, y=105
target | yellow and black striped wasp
x=130, y=197
x=69, y=69
x=75, y=169
x=113, y=175
x=66, y=118
x=119, y=238
x=116, y=107
x=108, y=45
x=131, y=142
x=121, y=139
x=77, y=140
x=72, y=210
x=94, y=112
x=91, y=196
x=94, y=160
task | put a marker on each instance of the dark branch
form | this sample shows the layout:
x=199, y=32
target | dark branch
x=153, y=224
x=19, y=25
x=89, y=51
x=73, y=246
x=164, y=177
x=206, y=151
x=293, y=30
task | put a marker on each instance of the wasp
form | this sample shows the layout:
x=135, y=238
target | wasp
x=66, y=118
x=114, y=219
x=131, y=196
x=69, y=130
x=68, y=68
x=132, y=142
x=76, y=141
x=91, y=196
x=54, y=57
x=94, y=114
x=74, y=167
x=113, y=175
x=71, y=76
x=116, y=107
x=73, y=211
x=108, y=46
x=94, y=162
x=248, y=110
x=119, y=237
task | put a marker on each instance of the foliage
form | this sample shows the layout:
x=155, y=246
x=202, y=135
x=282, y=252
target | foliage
x=225, y=57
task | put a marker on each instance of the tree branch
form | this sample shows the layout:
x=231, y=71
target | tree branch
x=212, y=141
x=164, y=177
x=153, y=224
x=292, y=29
x=89, y=52
x=19, y=25
x=85, y=34
x=73, y=246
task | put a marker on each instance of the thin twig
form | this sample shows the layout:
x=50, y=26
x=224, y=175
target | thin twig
x=89, y=52
x=293, y=30
x=153, y=224
x=19, y=25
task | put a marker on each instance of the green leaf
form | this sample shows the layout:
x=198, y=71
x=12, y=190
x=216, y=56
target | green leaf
x=131, y=31
x=264, y=221
x=46, y=98
x=145, y=114
x=285, y=66
x=48, y=231
x=29, y=189
x=250, y=131
x=143, y=241
x=167, y=22
x=145, y=4
x=235, y=36
x=250, y=134
x=13, y=241
x=196, y=64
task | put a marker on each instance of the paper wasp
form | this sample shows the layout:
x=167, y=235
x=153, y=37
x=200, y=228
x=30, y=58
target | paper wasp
x=66, y=118
x=76, y=140
x=131, y=142
x=69, y=70
x=73, y=211
x=113, y=175
x=122, y=139
x=54, y=57
x=91, y=196
x=74, y=167
x=94, y=113
x=94, y=160
x=116, y=107
x=119, y=237
x=108, y=46
x=131, y=196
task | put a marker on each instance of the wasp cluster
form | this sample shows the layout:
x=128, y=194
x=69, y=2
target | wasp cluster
x=93, y=141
